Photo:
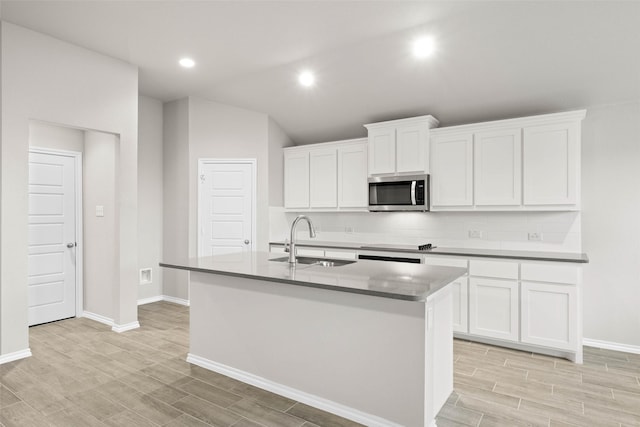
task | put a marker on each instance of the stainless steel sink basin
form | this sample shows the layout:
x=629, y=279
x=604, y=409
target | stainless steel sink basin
x=324, y=262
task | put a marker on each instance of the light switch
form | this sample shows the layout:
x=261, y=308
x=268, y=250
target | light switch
x=99, y=210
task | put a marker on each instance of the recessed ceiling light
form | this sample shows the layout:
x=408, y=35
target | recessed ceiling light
x=423, y=47
x=187, y=62
x=306, y=78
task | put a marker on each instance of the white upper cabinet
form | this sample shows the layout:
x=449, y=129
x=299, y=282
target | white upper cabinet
x=323, y=181
x=328, y=176
x=452, y=170
x=382, y=142
x=352, y=175
x=530, y=163
x=551, y=164
x=498, y=168
x=400, y=146
x=296, y=178
x=412, y=151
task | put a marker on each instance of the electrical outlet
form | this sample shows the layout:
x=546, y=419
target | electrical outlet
x=475, y=234
x=535, y=237
x=348, y=229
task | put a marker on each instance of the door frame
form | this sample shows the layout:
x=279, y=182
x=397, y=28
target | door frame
x=77, y=156
x=202, y=162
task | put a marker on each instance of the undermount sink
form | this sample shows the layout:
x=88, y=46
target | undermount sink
x=324, y=262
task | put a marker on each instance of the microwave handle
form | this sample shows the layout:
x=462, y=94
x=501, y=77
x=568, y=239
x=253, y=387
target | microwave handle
x=413, y=192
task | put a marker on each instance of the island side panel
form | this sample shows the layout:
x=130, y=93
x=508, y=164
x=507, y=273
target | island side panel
x=363, y=352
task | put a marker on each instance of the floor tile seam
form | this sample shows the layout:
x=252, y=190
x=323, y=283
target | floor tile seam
x=77, y=408
x=229, y=390
x=242, y=418
x=290, y=407
x=550, y=415
x=231, y=409
x=460, y=422
x=490, y=403
x=619, y=409
x=138, y=414
x=209, y=401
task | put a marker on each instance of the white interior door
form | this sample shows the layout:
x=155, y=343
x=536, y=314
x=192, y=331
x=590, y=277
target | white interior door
x=225, y=207
x=52, y=237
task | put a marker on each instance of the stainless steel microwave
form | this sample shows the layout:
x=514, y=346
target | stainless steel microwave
x=399, y=193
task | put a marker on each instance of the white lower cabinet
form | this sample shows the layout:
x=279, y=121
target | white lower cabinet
x=493, y=308
x=547, y=313
x=459, y=291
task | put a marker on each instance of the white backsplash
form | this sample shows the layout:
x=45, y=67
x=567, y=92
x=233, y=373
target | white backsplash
x=500, y=230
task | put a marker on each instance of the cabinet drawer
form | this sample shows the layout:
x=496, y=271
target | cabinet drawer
x=309, y=252
x=445, y=262
x=501, y=269
x=547, y=272
x=276, y=249
x=340, y=254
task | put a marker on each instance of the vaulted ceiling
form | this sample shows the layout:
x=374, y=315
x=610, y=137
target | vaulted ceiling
x=493, y=59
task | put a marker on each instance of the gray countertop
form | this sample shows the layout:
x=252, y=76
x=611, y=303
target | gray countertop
x=467, y=252
x=411, y=282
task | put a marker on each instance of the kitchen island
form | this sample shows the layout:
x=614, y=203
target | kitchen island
x=369, y=341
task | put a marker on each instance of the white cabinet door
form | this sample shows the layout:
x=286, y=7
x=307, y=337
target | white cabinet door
x=460, y=296
x=493, y=308
x=498, y=168
x=323, y=182
x=548, y=315
x=411, y=148
x=382, y=150
x=459, y=290
x=352, y=176
x=551, y=162
x=452, y=170
x=296, y=179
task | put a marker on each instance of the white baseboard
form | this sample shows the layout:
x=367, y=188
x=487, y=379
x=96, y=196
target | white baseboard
x=110, y=322
x=126, y=327
x=144, y=301
x=611, y=345
x=175, y=300
x=16, y=355
x=98, y=318
x=166, y=298
x=291, y=393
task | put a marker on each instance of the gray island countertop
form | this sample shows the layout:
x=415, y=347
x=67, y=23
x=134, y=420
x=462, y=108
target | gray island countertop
x=411, y=282
x=466, y=252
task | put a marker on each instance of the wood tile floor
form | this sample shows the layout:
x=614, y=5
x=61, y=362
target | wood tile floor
x=500, y=387
x=82, y=374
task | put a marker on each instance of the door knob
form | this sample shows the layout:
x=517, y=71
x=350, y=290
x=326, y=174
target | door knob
x=246, y=241
x=71, y=245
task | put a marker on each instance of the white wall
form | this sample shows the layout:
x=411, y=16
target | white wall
x=611, y=223
x=100, y=233
x=196, y=128
x=277, y=141
x=223, y=132
x=150, y=203
x=175, y=228
x=45, y=79
x=46, y=135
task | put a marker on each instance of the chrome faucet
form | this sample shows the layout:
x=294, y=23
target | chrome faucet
x=291, y=248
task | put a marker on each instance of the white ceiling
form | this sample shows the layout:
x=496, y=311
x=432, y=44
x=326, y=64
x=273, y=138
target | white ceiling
x=495, y=60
